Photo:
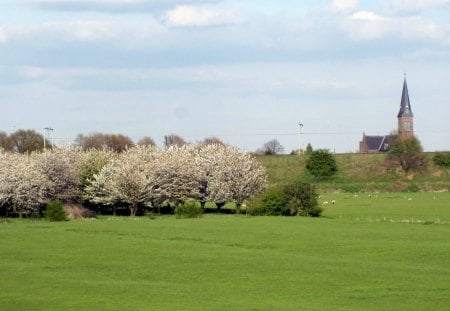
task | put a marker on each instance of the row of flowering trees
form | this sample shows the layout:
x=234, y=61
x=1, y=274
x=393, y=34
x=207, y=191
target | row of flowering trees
x=140, y=176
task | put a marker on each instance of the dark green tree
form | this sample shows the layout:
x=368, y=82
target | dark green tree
x=407, y=154
x=321, y=163
x=309, y=149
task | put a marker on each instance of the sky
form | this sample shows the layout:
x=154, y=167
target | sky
x=245, y=71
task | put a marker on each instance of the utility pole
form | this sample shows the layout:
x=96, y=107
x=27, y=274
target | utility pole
x=300, y=132
x=47, y=133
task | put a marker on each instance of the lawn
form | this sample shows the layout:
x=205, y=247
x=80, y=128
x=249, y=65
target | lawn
x=384, y=252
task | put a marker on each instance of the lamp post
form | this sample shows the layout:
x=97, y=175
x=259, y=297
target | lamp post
x=47, y=132
x=300, y=131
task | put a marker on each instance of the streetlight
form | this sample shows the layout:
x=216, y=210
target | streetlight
x=300, y=131
x=47, y=132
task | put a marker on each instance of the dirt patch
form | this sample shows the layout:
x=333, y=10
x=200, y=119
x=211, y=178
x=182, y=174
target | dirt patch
x=437, y=174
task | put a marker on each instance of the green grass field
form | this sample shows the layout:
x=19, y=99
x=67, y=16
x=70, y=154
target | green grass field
x=380, y=253
x=358, y=172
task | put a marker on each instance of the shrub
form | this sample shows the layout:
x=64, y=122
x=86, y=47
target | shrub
x=150, y=215
x=301, y=200
x=189, y=209
x=407, y=154
x=55, y=211
x=442, y=159
x=397, y=186
x=413, y=188
x=270, y=203
x=321, y=163
x=76, y=211
x=294, y=199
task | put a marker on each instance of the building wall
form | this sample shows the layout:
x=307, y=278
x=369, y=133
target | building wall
x=405, y=127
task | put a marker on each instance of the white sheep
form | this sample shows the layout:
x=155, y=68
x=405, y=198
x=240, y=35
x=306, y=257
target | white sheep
x=325, y=202
x=333, y=202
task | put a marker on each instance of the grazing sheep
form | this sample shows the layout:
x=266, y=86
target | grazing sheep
x=325, y=202
x=370, y=195
x=409, y=199
x=333, y=202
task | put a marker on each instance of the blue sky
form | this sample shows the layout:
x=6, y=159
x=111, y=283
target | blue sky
x=244, y=71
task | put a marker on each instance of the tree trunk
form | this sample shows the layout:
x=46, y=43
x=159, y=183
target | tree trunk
x=238, y=207
x=219, y=205
x=133, y=209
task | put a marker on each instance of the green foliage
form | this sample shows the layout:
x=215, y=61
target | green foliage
x=301, y=200
x=270, y=203
x=309, y=149
x=442, y=159
x=294, y=199
x=321, y=163
x=189, y=209
x=55, y=211
x=412, y=187
x=407, y=153
x=150, y=215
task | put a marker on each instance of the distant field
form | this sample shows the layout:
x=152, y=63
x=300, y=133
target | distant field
x=389, y=251
x=358, y=172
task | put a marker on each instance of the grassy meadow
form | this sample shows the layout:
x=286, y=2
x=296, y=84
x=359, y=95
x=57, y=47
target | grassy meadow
x=358, y=172
x=390, y=251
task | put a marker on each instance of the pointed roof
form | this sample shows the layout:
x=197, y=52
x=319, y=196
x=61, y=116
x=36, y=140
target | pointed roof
x=405, y=105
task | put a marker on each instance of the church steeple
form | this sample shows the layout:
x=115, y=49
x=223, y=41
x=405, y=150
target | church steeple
x=405, y=105
x=405, y=115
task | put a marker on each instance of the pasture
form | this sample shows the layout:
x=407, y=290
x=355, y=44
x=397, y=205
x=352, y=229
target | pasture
x=390, y=251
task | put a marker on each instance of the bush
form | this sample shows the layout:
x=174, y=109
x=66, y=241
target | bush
x=442, y=159
x=397, y=186
x=413, y=188
x=76, y=211
x=321, y=163
x=55, y=211
x=294, y=199
x=150, y=215
x=189, y=209
x=301, y=200
x=270, y=203
x=407, y=154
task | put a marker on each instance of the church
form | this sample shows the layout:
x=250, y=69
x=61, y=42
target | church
x=380, y=144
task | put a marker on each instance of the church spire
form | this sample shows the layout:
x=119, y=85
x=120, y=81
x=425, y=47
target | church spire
x=405, y=105
x=405, y=115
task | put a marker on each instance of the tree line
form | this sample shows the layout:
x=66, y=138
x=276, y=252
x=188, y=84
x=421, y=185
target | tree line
x=140, y=178
x=27, y=140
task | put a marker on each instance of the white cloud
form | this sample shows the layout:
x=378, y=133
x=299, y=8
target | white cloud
x=3, y=35
x=188, y=16
x=414, y=6
x=31, y=72
x=82, y=30
x=368, y=16
x=365, y=25
x=344, y=6
x=117, y=6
